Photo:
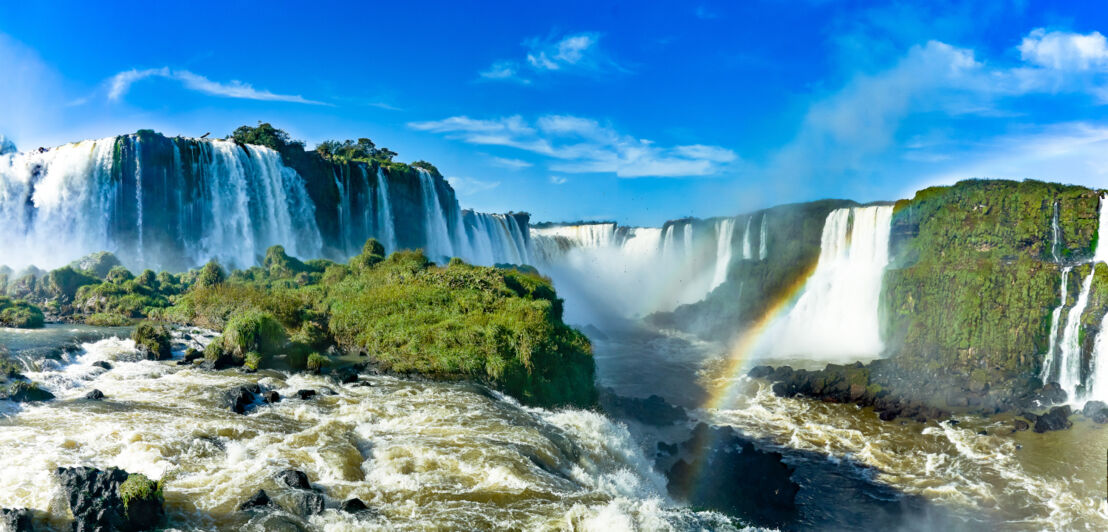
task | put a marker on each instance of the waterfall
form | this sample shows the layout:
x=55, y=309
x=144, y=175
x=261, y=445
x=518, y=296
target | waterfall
x=836, y=316
x=1063, y=362
x=386, y=228
x=437, y=232
x=1096, y=382
x=1055, y=233
x=747, y=248
x=763, y=243
x=151, y=204
x=495, y=238
x=725, y=228
x=1055, y=320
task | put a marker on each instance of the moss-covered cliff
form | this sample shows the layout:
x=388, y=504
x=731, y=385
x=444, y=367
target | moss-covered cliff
x=972, y=281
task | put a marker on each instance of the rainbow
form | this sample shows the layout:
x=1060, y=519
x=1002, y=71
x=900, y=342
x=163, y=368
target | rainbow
x=740, y=353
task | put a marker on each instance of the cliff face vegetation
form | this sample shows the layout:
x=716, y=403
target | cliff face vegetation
x=973, y=278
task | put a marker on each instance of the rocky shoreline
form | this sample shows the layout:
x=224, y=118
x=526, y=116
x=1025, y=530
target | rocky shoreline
x=895, y=392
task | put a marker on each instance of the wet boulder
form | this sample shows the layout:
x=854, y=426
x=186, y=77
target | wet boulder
x=16, y=520
x=94, y=395
x=259, y=500
x=345, y=374
x=271, y=397
x=1096, y=411
x=353, y=506
x=102, y=364
x=294, y=479
x=1056, y=418
x=650, y=411
x=22, y=391
x=240, y=399
x=305, y=394
x=307, y=503
x=714, y=457
x=1020, y=425
x=111, y=499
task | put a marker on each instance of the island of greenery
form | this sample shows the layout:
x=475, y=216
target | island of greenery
x=402, y=313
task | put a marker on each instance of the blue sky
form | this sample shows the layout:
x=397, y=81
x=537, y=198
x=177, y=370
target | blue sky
x=586, y=110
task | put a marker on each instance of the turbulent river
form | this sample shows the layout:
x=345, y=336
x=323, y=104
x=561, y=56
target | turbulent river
x=442, y=456
x=424, y=455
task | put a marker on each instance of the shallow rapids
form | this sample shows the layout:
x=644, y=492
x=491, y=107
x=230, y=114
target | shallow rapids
x=999, y=479
x=424, y=455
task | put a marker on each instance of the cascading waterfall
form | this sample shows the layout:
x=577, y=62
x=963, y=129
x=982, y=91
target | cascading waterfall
x=724, y=229
x=438, y=238
x=1063, y=362
x=763, y=240
x=748, y=252
x=386, y=226
x=631, y=271
x=218, y=200
x=175, y=203
x=836, y=316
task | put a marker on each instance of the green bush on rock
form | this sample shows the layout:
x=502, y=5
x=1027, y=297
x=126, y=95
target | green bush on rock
x=20, y=314
x=255, y=331
x=153, y=340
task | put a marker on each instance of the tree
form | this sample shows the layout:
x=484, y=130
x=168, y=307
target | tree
x=265, y=135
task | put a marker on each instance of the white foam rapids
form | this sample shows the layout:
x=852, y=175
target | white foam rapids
x=424, y=455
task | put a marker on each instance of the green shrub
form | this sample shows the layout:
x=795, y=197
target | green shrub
x=252, y=361
x=20, y=314
x=153, y=339
x=211, y=274
x=138, y=487
x=253, y=331
x=104, y=319
x=119, y=275
x=316, y=362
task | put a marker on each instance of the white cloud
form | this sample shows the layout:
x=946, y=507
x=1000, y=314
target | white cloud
x=578, y=53
x=467, y=186
x=119, y=84
x=514, y=164
x=582, y=145
x=1062, y=50
x=558, y=180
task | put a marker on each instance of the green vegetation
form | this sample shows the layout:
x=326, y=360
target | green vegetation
x=20, y=314
x=153, y=339
x=973, y=281
x=499, y=326
x=265, y=135
x=139, y=487
x=363, y=150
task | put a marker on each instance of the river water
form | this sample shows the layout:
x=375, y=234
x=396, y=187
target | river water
x=424, y=455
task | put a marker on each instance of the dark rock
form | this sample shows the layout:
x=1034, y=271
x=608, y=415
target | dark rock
x=25, y=392
x=1096, y=411
x=307, y=503
x=760, y=372
x=271, y=397
x=667, y=449
x=651, y=411
x=353, y=506
x=192, y=354
x=239, y=399
x=94, y=395
x=258, y=500
x=16, y=520
x=345, y=375
x=1055, y=419
x=294, y=479
x=1053, y=394
x=716, y=457
x=1019, y=425
x=982, y=432
x=96, y=502
x=305, y=394
x=278, y=522
x=102, y=364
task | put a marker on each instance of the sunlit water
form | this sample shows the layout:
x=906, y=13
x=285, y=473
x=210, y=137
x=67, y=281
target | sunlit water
x=425, y=456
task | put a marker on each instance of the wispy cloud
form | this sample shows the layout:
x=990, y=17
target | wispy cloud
x=1061, y=50
x=582, y=145
x=514, y=164
x=577, y=53
x=557, y=180
x=119, y=84
x=467, y=186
